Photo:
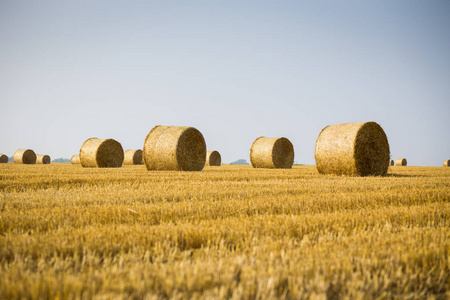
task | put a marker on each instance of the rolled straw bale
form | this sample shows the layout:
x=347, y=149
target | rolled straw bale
x=133, y=157
x=447, y=163
x=3, y=158
x=272, y=153
x=101, y=153
x=174, y=148
x=400, y=162
x=359, y=149
x=75, y=160
x=25, y=156
x=42, y=159
x=213, y=158
x=392, y=162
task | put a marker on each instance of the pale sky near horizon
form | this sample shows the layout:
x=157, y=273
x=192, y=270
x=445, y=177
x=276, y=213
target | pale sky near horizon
x=235, y=70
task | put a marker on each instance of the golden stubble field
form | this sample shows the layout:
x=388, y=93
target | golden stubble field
x=229, y=232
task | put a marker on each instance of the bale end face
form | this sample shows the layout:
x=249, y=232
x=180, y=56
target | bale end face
x=447, y=163
x=213, y=158
x=3, y=158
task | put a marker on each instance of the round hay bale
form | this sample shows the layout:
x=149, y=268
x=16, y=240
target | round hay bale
x=359, y=149
x=400, y=162
x=174, y=148
x=213, y=158
x=75, y=160
x=3, y=158
x=392, y=162
x=133, y=157
x=43, y=159
x=447, y=163
x=107, y=153
x=272, y=153
x=25, y=156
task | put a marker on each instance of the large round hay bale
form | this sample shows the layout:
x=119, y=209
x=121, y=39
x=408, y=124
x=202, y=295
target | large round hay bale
x=392, y=162
x=359, y=149
x=3, y=158
x=447, y=163
x=213, y=158
x=400, y=162
x=107, y=153
x=174, y=148
x=272, y=153
x=75, y=160
x=42, y=159
x=133, y=157
x=25, y=156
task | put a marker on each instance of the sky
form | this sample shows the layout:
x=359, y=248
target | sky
x=235, y=70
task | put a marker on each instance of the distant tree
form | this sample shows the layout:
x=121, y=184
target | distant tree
x=61, y=160
x=240, y=162
x=11, y=159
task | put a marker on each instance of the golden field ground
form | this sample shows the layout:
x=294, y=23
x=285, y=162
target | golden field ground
x=229, y=232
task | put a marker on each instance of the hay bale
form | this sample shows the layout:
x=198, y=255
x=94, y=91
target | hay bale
x=447, y=163
x=400, y=162
x=272, y=153
x=107, y=153
x=213, y=158
x=392, y=162
x=174, y=148
x=3, y=158
x=357, y=149
x=25, y=156
x=43, y=159
x=133, y=157
x=75, y=160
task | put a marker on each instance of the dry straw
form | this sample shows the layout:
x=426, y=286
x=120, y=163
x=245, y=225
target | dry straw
x=400, y=162
x=392, y=162
x=101, y=153
x=447, y=163
x=272, y=153
x=174, y=148
x=42, y=159
x=25, y=156
x=3, y=158
x=356, y=149
x=133, y=157
x=213, y=158
x=75, y=160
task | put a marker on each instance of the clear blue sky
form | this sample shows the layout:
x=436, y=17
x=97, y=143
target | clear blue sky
x=235, y=70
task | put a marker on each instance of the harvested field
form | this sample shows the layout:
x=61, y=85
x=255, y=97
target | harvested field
x=230, y=232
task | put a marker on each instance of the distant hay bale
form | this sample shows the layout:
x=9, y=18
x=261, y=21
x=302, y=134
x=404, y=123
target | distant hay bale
x=356, y=149
x=3, y=158
x=400, y=162
x=213, y=158
x=272, y=153
x=133, y=157
x=24, y=156
x=42, y=159
x=107, y=153
x=392, y=162
x=447, y=163
x=75, y=160
x=174, y=148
